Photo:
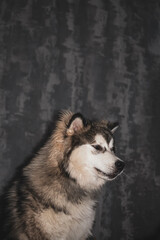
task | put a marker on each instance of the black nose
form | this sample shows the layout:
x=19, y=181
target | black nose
x=119, y=165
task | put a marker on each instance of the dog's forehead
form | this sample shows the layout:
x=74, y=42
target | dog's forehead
x=100, y=139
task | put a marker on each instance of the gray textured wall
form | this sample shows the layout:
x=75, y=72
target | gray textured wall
x=100, y=57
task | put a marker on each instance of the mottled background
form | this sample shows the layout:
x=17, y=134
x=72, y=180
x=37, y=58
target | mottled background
x=99, y=57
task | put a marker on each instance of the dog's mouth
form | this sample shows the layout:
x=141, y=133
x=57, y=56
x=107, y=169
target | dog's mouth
x=106, y=175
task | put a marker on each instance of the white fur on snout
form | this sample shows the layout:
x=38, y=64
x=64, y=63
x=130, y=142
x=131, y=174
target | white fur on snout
x=104, y=162
x=84, y=161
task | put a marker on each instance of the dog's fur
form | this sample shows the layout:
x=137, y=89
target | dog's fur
x=55, y=196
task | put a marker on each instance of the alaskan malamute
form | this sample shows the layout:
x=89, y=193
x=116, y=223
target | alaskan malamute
x=55, y=195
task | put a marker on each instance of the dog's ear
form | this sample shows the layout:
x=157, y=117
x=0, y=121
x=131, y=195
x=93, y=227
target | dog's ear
x=76, y=124
x=112, y=126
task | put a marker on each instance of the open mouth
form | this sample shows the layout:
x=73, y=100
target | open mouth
x=110, y=176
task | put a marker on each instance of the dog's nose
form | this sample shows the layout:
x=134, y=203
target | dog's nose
x=119, y=165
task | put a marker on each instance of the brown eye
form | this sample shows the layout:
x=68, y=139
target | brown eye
x=98, y=147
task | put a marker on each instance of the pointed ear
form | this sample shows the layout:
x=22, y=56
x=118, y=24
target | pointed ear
x=113, y=126
x=76, y=124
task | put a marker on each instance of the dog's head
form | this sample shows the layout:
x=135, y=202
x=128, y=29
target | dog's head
x=90, y=151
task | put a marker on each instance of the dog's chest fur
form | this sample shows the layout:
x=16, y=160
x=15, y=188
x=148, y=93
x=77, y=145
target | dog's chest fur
x=76, y=224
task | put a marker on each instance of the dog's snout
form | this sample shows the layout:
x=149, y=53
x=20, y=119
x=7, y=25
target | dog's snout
x=119, y=165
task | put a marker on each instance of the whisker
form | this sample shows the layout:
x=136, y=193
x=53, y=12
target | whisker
x=126, y=175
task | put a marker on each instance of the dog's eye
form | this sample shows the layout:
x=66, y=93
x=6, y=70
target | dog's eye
x=113, y=149
x=98, y=147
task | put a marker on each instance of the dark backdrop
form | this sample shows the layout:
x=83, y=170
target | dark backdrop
x=99, y=57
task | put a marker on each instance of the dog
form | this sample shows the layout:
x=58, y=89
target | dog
x=55, y=195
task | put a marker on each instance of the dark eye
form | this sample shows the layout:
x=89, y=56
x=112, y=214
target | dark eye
x=98, y=147
x=113, y=149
